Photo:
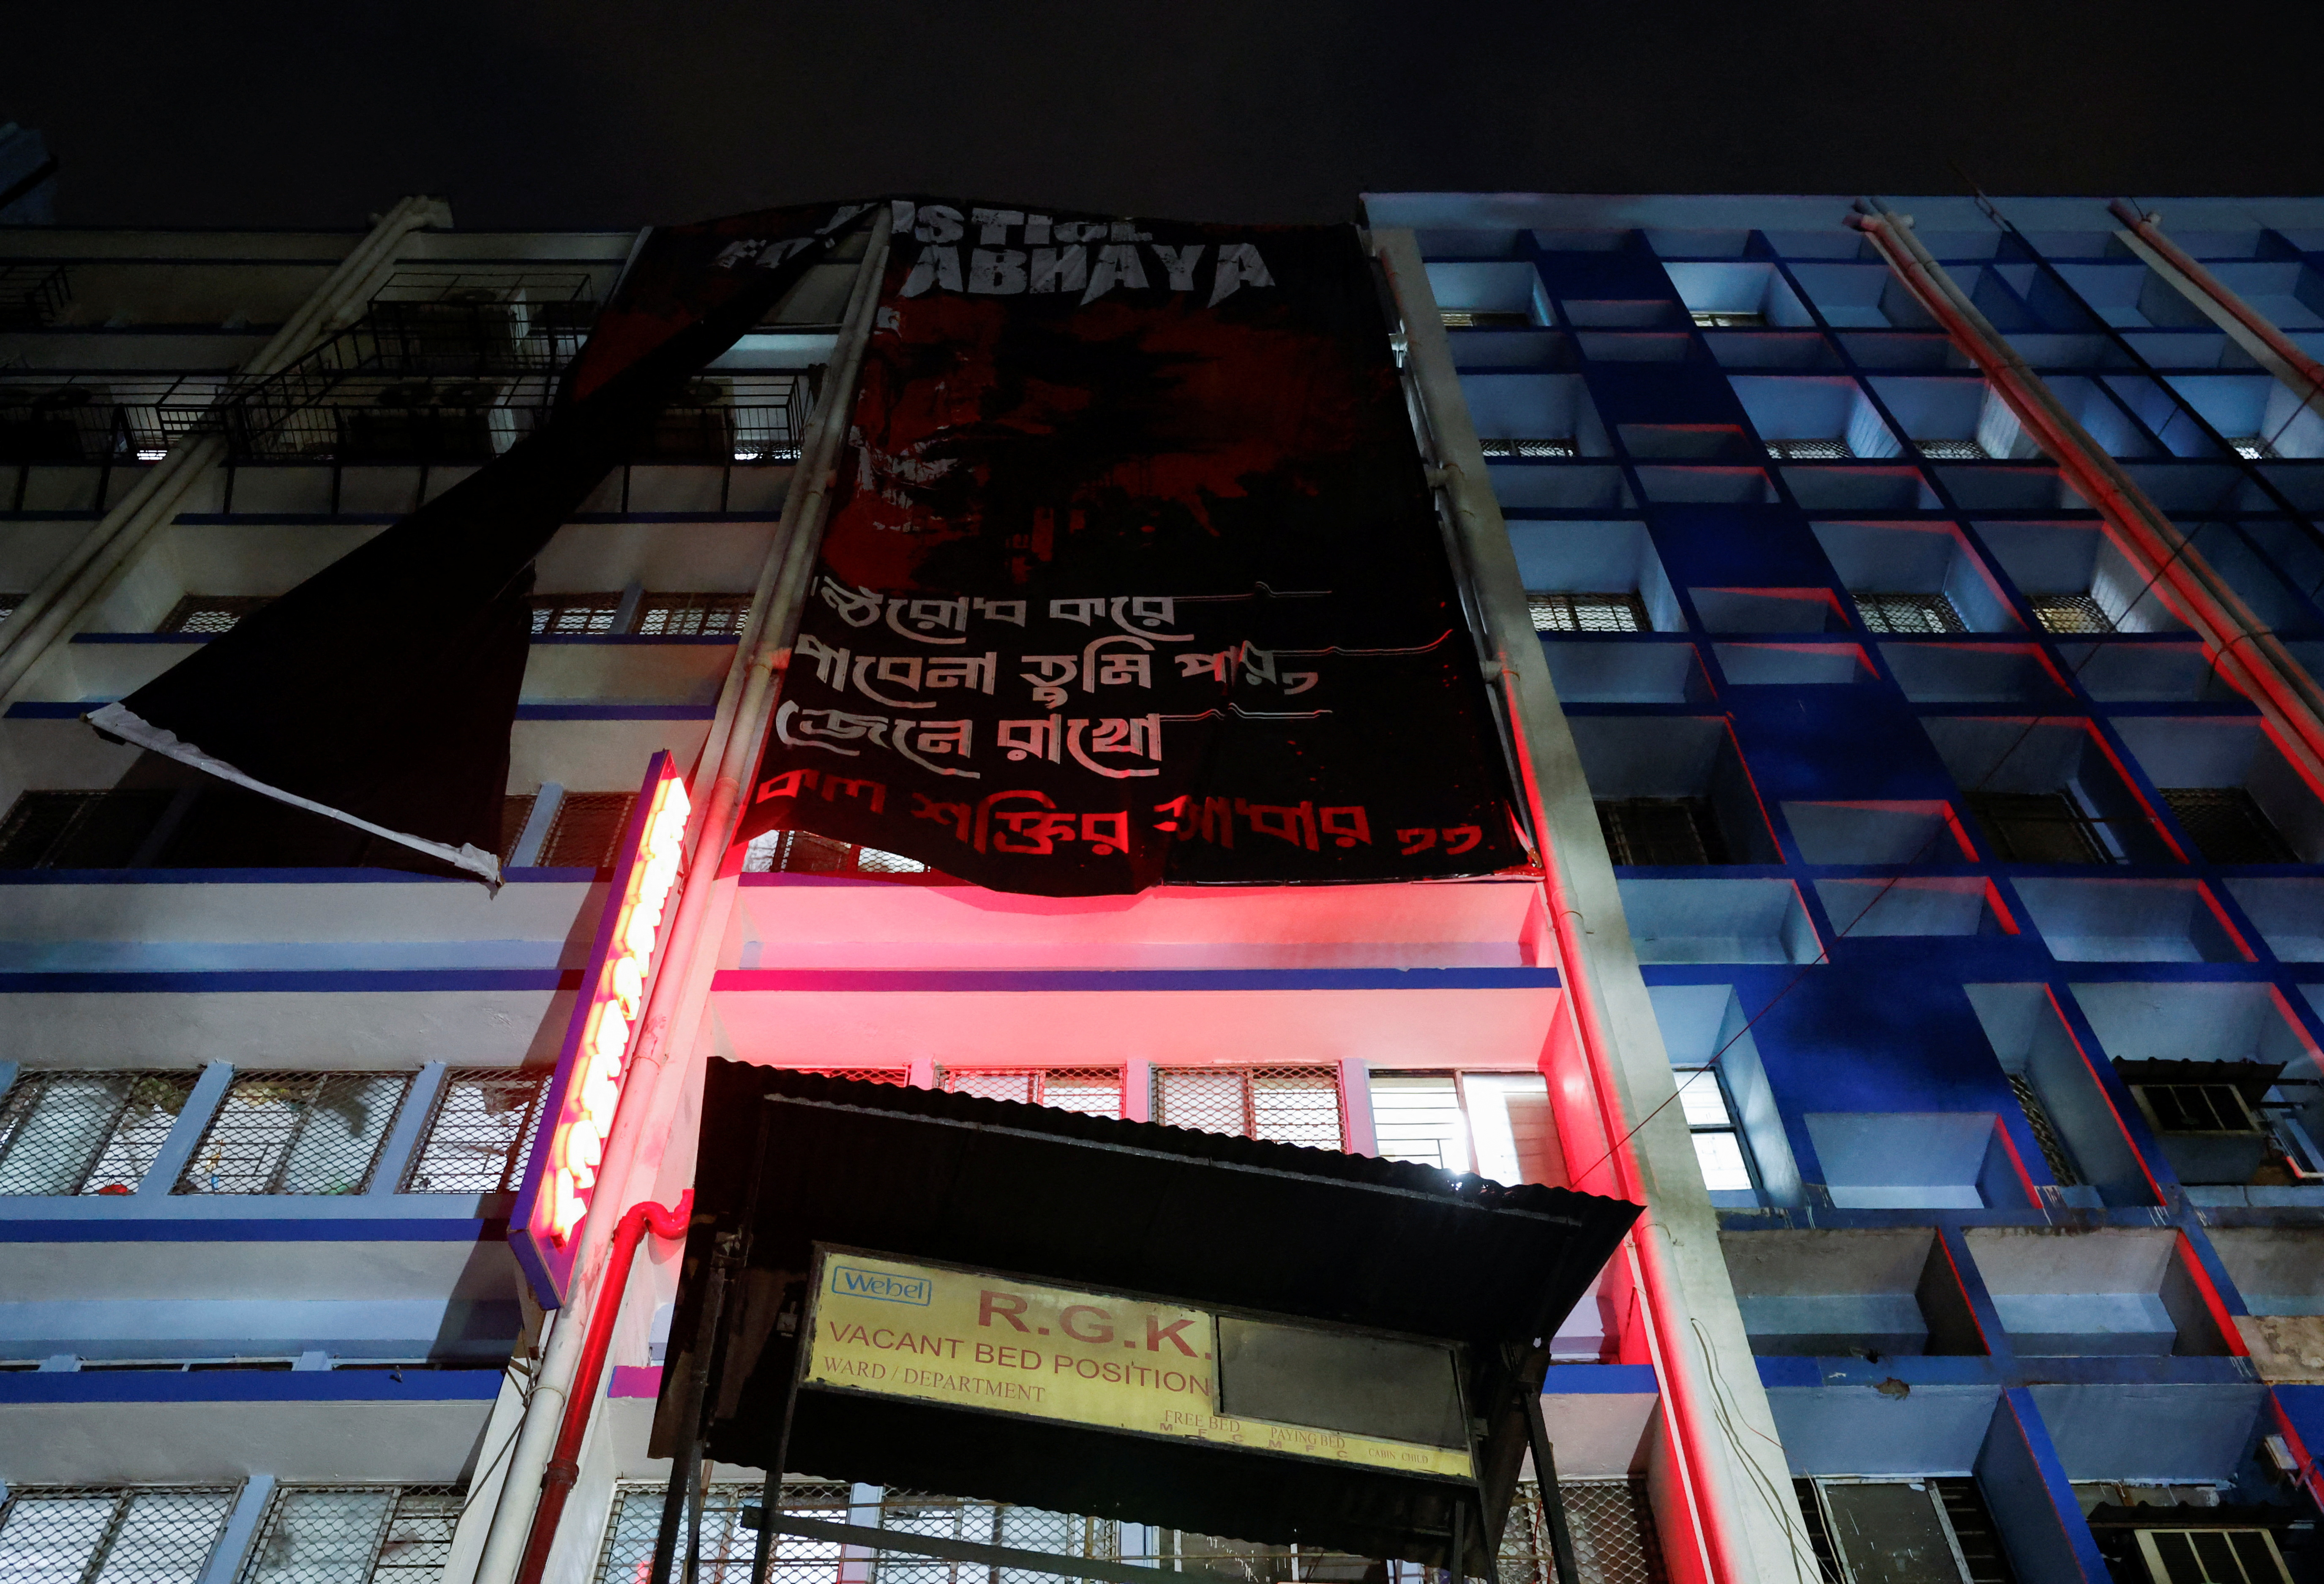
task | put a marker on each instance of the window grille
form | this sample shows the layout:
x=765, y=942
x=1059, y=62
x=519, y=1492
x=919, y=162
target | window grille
x=1974, y=1531
x=1613, y=1529
x=1908, y=612
x=2195, y=1107
x=2070, y=613
x=947, y=1517
x=899, y=1076
x=587, y=830
x=1587, y=613
x=1094, y=1091
x=2228, y=824
x=1419, y=1118
x=726, y=1546
x=480, y=1134
x=2255, y=448
x=2039, y=827
x=140, y=1535
x=296, y=1133
x=9, y=601
x=2045, y=1131
x=2213, y=1556
x=575, y=615
x=516, y=812
x=1711, y=1121
x=692, y=615
x=87, y=1132
x=1719, y=318
x=805, y=852
x=200, y=613
x=355, y=1534
x=80, y=830
x=1810, y=450
x=1529, y=448
x=1660, y=830
x=1478, y=318
x=1287, y=1105
x=1953, y=451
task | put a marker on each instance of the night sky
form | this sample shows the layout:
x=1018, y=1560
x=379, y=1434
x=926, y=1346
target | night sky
x=594, y=114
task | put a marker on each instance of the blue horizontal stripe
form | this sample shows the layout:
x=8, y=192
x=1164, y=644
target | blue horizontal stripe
x=278, y=877
x=39, y=709
x=324, y=981
x=850, y=981
x=27, y=1387
x=343, y=1229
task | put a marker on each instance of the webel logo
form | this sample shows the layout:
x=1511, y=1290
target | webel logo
x=848, y=1281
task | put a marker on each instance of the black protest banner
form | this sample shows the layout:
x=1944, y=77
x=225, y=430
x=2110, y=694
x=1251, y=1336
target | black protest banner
x=379, y=692
x=1132, y=575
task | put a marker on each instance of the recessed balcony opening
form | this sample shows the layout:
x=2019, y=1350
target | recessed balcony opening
x=1522, y=487
x=1533, y=416
x=1949, y=904
x=2278, y=1271
x=1731, y=1116
x=2226, y=1080
x=1533, y=349
x=1915, y=1160
x=2129, y=921
x=1912, y=577
x=1677, y=790
x=2046, y=791
x=1589, y=672
x=1640, y=313
x=1876, y=833
x=2146, y=672
x=1793, y=351
x=1804, y=420
x=2076, y=579
x=2109, y=1292
x=1793, y=665
x=1594, y=577
x=2288, y=913
x=1702, y=919
x=1837, y=1294
x=1768, y=610
x=2259, y=417
x=1688, y=442
x=1931, y=352
x=1860, y=489
x=2066, y=1108
x=1739, y=296
x=2229, y=788
x=1707, y=486
x=1481, y=296
x=1866, y=297
x=1954, y=420
x=1974, y=673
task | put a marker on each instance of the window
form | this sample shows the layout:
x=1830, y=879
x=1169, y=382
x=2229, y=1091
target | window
x=1587, y=613
x=586, y=830
x=2070, y=613
x=575, y=615
x=1613, y=1527
x=1810, y=450
x=8, y=604
x=2039, y=827
x=80, y=830
x=803, y=852
x=692, y=615
x=1660, y=830
x=87, y=1132
x=1505, y=447
x=726, y=1545
x=1287, y=1105
x=2045, y=1131
x=1711, y=1119
x=1473, y=319
x=1724, y=319
x=1902, y=1532
x=212, y=614
x=71, y=1533
x=2254, y=447
x=361, y=1535
x=2195, y=1107
x=516, y=812
x=1497, y=1125
x=2227, y=825
x=1094, y=1091
x=2211, y=1556
x=296, y=1133
x=1908, y=612
x=1953, y=451
x=480, y=1134
x=1421, y=1120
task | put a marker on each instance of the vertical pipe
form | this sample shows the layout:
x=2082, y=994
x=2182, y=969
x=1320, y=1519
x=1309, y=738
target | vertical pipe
x=1553, y=1500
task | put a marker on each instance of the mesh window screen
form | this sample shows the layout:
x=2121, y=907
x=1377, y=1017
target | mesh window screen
x=80, y=830
x=692, y=615
x=481, y=1134
x=200, y=613
x=1530, y=448
x=1286, y=1105
x=949, y=1517
x=355, y=1534
x=515, y=809
x=1953, y=451
x=898, y=1076
x=1587, y=613
x=296, y=1133
x=1808, y=450
x=1909, y=612
x=726, y=1545
x=2228, y=824
x=1660, y=830
x=803, y=852
x=575, y=615
x=1093, y=1092
x=2038, y=827
x=586, y=830
x=2070, y=613
x=1614, y=1540
x=87, y=1132
x=155, y=1535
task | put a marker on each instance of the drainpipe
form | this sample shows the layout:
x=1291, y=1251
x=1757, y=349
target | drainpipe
x=77, y=581
x=1730, y=1467
x=651, y=1090
x=2302, y=372
x=565, y=1466
x=2244, y=650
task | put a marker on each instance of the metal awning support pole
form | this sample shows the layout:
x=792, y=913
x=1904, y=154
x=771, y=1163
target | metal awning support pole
x=1723, y=1473
x=650, y=1093
x=1553, y=1500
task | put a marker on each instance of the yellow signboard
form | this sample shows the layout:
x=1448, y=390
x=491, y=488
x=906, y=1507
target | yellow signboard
x=971, y=1340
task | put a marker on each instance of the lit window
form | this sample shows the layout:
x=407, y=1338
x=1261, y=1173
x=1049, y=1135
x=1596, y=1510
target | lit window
x=379, y=1534
x=73, y=1532
x=1476, y=318
x=481, y=1134
x=692, y=615
x=1953, y=451
x=1810, y=450
x=1500, y=448
x=2254, y=447
x=296, y=1133
x=210, y=613
x=575, y=615
x=1710, y=318
x=1718, y=1143
x=1419, y=1118
x=1289, y=1105
x=87, y=1132
x=1587, y=613
x=805, y=852
x=8, y=604
x=2070, y=613
x=1908, y=612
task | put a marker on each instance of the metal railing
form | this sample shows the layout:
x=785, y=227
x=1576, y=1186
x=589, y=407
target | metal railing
x=80, y=1535
x=1094, y=1091
x=70, y=1133
x=479, y=1136
x=33, y=296
x=296, y=1133
x=1285, y=1105
x=354, y=1535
